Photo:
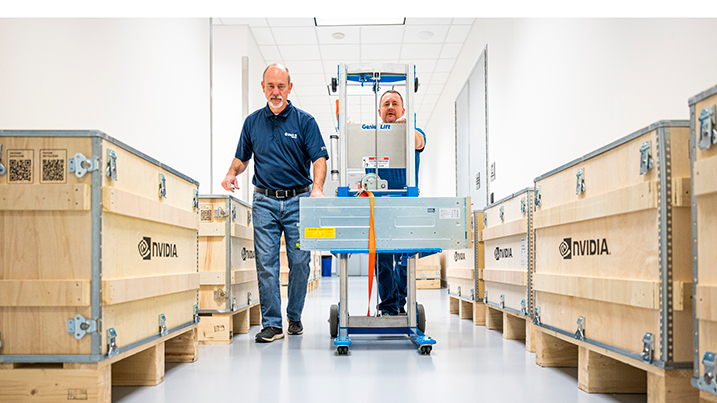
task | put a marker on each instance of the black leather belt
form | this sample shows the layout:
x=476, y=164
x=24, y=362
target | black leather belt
x=282, y=194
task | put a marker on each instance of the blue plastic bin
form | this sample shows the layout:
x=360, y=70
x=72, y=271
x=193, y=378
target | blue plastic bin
x=326, y=266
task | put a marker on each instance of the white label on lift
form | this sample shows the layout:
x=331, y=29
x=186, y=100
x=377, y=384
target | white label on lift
x=370, y=162
x=523, y=252
x=449, y=213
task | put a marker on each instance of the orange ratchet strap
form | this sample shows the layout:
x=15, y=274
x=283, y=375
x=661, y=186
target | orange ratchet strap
x=371, y=248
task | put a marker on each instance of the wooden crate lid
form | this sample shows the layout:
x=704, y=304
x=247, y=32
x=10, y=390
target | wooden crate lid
x=703, y=95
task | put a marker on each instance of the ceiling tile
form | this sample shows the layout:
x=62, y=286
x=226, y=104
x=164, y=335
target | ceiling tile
x=312, y=90
x=424, y=66
x=438, y=32
x=380, y=52
x=300, y=52
x=291, y=22
x=341, y=52
x=305, y=67
x=451, y=50
x=295, y=36
x=433, y=89
x=308, y=79
x=458, y=33
x=380, y=35
x=444, y=65
x=252, y=22
x=463, y=21
x=263, y=36
x=423, y=51
x=428, y=21
x=430, y=99
x=439, y=78
x=352, y=35
x=314, y=100
x=270, y=52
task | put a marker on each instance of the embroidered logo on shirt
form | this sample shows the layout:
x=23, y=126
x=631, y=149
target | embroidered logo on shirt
x=292, y=135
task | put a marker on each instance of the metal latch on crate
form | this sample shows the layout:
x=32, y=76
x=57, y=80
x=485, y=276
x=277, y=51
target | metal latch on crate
x=220, y=294
x=112, y=164
x=248, y=298
x=112, y=348
x=485, y=296
x=221, y=213
x=459, y=291
x=538, y=196
x=502, y=301
x=234, y=303
x=163, y=325
x=580, y=187
x=648, y=343
x=580, y=334
x=196, y=314
x=485, y=219
x=523, y=308
x=536, y=315
x=472, y=295
x=195, y=200
x=81, y=165
x=234, y=213
x=502, y=213
x=708, y=134
x=646, y=161
x=707, y=381
x=0, y=340
x=523, y=207
x=2, y=167
x=162, y=186
x=248, y=218
x=79, y=326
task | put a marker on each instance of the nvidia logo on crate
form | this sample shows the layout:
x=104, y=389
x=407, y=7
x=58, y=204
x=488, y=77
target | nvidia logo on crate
x=588, y=247
x=148, y=249
x=247, y=254
x=459, y=256
x=502, y=253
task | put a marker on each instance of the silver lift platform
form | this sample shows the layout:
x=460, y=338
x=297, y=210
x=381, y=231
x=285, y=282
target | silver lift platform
x=403, y=223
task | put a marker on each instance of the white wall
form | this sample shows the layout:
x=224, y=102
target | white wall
x=142, y=81
x=558, y=89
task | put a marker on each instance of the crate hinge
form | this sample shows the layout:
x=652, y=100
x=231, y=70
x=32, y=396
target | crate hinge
x=112, y=164
x=648, y=343
x=162, y=325
x=580, y=333
x=707, y=381
x=580, y=187
x=79, y=326
x=162, y=186
x=536, y=316
x=646, y=162
x=220, y=294
x=112, y=348
x=708, y=134
x=80, y=165
x=221, y=213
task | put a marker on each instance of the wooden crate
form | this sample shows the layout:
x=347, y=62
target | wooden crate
x=81, y=249
x=92, y=382
x=464, y=275
x=227, y=267
x=612, y=250
x=428, y=272
x=703, y=157
x=508, y=238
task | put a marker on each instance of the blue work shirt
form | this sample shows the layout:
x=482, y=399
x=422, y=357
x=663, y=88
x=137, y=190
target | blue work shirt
x=396, y=177
x=283, y=145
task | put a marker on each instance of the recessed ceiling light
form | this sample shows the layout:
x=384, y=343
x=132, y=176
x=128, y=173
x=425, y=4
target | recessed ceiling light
x=425, y=35
x=338, y=35
x=329, y=22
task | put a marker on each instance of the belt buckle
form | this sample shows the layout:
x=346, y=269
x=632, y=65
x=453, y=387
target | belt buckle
x=279, y=194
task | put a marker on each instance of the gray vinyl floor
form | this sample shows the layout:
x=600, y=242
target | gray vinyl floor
x=468, y=363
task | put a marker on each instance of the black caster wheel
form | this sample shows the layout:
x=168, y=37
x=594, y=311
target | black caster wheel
x=421, y=319
x=342, y=350
x=416, y=84
x=334, y=84
x=334, y=321
x=426, y=350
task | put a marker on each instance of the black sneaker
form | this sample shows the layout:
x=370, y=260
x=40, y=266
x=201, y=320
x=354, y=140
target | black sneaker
x=269, y=334
x=295, y=327
x=401, y=311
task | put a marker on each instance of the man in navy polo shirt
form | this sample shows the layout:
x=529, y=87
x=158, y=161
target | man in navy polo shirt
x=285, y=142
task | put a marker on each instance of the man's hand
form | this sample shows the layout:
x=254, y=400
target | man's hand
x=401, y=120
x=230, y=183
x=315, y=192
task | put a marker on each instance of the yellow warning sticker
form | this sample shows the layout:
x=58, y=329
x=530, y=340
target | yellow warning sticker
x=319, y=232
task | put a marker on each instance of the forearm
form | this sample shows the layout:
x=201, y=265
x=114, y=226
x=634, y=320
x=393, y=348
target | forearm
x=419, y=141
x=319, y=176
x=237, y=168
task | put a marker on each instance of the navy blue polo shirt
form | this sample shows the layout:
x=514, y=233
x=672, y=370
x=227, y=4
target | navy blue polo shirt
x=396, y=177
x=283, y=145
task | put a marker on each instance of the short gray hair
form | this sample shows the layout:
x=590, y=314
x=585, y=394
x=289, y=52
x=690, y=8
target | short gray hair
x=276, y=65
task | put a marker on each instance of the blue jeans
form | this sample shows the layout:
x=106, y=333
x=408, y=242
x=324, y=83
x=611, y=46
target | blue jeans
x=273, y=216
x=391, y=283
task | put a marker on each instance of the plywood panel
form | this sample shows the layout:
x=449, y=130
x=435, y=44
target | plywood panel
x=125, y=203
x=41, y=330
x=44, y=293
x=508, y=229
x=511, y=212
x=46, y=197
x=466, y=287
x=513, y=294
x=130, y=289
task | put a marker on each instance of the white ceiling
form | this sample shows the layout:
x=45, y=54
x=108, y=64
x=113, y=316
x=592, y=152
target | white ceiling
x=312, y=56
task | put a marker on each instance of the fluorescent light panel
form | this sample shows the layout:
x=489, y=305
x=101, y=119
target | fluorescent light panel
x=332, y=22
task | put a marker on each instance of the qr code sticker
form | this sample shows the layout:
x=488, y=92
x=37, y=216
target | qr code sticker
x=205, y=214
x=53, y=170
x=20, y=170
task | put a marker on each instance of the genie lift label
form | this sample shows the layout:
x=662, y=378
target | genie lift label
x=370, y=162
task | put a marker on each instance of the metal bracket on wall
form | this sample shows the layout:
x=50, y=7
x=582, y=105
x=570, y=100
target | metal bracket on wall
x=221, y=213
x=708, y=134
x=111, y=164
x=81, y=165
x=502, y=213
x=648, y=343
x=220, y=294
x=2, y=167
x=112, y=348
x=536, y=316
x=538, y=196
x=502, y=301
x=79, y=326
x=646, y=162
x=162, y=325
x=580, y=334
x=162, y=186
x=707, y=381
x=580, y=187
x=523, y=207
